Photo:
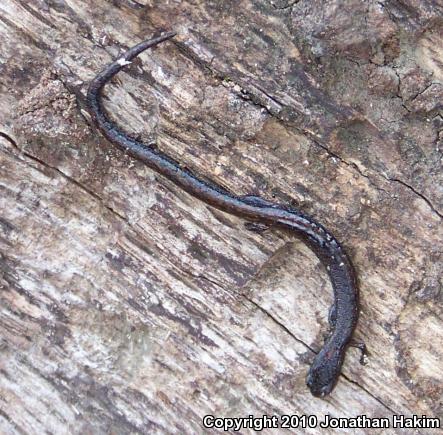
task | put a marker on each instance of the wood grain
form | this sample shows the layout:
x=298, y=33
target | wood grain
x=130, y=307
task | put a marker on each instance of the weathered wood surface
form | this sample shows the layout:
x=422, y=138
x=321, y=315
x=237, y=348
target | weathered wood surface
x=130, y=307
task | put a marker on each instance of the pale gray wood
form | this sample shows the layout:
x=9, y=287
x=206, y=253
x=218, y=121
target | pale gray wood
x=130, y=307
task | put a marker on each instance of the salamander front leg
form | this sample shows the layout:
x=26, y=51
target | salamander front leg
x=363, y=350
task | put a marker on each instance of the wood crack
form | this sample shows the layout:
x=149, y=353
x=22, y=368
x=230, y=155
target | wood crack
x=419, y=194
x=65, y=176
x=298, y=340
x=254, y=98
x=370, y=394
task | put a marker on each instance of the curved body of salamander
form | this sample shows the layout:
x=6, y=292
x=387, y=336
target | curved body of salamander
x=327, y=364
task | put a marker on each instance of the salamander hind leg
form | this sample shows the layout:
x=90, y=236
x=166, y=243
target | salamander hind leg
x=256, y=201
x=256, y=227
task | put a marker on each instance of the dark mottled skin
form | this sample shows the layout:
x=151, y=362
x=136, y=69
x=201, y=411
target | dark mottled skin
x=326, y=367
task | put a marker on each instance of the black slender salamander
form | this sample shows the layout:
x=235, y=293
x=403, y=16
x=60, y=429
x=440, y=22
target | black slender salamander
x=327, y=364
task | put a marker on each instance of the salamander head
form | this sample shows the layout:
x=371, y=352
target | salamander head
x=325, y=371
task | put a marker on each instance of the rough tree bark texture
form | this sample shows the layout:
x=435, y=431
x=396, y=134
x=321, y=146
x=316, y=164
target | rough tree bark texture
x=130, y=307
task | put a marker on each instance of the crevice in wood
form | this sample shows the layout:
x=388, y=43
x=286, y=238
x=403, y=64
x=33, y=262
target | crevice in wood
x=255, y=99
x=65, y=176
x=263, y=310
x=416, y=192
x=298, y=340
x=370, y=394
x=277, y=322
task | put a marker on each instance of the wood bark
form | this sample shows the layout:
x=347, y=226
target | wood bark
x=129, y=306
